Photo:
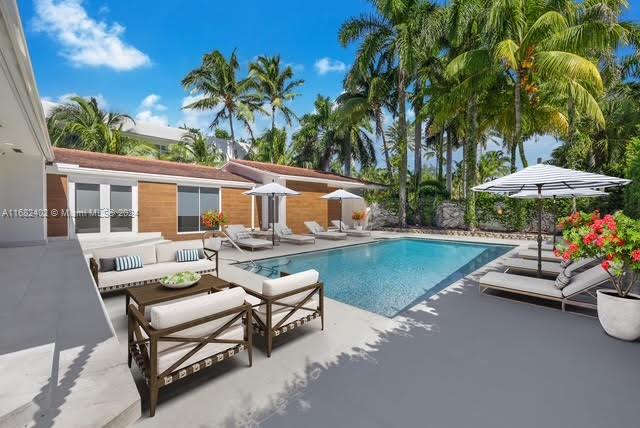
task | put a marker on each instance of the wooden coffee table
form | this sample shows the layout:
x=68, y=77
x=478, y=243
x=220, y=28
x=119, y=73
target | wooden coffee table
x=155, y=293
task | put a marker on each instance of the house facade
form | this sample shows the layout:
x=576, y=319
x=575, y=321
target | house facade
x=94, y=195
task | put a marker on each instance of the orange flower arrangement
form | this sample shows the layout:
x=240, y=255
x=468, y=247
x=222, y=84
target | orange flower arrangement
x=213, y=219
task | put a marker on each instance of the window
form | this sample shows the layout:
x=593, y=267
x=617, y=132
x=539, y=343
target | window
x=192, y=202
x=87, y=208
x=121, y=209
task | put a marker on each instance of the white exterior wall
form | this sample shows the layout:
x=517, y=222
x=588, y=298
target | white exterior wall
x=22, y=186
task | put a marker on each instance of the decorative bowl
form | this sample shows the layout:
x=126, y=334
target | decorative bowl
x=180, y=280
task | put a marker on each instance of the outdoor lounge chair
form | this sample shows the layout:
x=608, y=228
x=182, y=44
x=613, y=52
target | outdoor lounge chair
x=239, y=236
x=546, y=289
x=187, y=336
x=552, y=269
x=349, y=230
x=546, y=246
x=547, y=256
x=286, y=235
x=319, y=232
x=286, y=303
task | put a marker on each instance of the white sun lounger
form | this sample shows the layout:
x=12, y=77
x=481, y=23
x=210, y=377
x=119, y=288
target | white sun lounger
x=239, y=235
x=285, y=235
x=547, y=256
x=517, y=265
x=545, y=288
x=319, y=232
x=349, y=230
x=546, y=246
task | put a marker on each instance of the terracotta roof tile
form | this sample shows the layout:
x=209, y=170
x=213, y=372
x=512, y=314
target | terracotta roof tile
x=295, y=171
x=111, y=162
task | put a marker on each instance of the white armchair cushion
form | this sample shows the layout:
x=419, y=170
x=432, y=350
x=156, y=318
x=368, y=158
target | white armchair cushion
x=272, y=287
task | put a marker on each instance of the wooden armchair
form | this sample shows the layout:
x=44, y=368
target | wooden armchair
x=187, y=336
x=286, y=303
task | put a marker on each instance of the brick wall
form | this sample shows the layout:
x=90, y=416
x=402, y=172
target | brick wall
x=307, y=206
x=57, y=199
x=236, y=207
x=334, y=210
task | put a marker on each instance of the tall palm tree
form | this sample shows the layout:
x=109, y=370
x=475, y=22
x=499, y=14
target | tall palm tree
x=313, y=144
x=275, y=87
x=217, y=85
x=391, y=34
x=352, y=141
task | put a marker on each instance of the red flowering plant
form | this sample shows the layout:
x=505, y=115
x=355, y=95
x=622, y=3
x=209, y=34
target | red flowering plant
x=213, y=219
x=614, y=239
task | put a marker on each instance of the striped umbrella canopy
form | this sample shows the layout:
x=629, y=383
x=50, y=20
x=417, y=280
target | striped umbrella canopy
x=548, y=177
x=541, y=177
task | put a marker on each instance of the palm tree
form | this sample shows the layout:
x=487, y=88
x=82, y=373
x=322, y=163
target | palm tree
x=492, y=165
x=390, y=34
x=82, y=124
x=216, y=84
x=352, y=141
x=367, y=94
x=275, y=88
x=313, y=144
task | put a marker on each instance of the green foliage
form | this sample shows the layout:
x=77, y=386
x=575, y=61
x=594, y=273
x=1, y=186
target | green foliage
x=632, y=171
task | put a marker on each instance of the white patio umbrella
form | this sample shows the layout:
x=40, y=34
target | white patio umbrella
x=541, y=177
x=339, y=195
x=559, y=193
x=272, y=189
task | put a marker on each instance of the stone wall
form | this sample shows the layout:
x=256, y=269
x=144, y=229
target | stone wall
x=450, y=215
x=380, y=217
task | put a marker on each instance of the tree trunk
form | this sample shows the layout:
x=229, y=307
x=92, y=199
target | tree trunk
x=517, y=134
x=464, y=168
x=233, y=138
x=523, y=157
x=571, y=113
x=385, y=148
x=450, y=142
x=346, y=167
x=440, y=155
x=512, y=149
x=471, y=155
x=417, y=160
x=273, y=127
x=402, y=143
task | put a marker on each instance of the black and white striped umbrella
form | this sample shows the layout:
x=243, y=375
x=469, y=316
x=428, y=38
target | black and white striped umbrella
x=548, y=177
x=542, y=177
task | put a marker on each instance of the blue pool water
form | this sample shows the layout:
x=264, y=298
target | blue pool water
x=389, y=276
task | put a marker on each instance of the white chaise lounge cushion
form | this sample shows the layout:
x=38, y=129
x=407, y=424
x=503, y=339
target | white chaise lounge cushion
x=146, y=252
x=584, y=280
x=166, y=252
x=521, y=283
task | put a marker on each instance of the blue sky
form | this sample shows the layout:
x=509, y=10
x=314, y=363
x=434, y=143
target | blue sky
x=131, y=55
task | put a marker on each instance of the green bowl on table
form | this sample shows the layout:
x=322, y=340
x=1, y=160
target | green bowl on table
x=180, y=280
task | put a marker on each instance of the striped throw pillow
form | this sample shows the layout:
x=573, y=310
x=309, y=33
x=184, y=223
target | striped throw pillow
x=562, y=280
x=188, y=255
x=128, y=263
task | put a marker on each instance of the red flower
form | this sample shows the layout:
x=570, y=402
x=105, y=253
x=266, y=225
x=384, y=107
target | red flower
x=573, y=248
x=566, y=255
x=557, y=252
x=635, y=255
x=600, y=242
x=606, y=265
x=588, y=239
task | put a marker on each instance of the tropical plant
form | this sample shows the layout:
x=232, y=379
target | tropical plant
x=275, y=88
x=216, y=87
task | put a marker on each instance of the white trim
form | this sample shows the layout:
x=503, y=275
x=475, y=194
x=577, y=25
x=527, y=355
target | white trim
x=69, y=169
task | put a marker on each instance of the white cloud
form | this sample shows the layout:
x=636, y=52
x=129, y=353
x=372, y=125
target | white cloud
x=149, y=109
x=66, y=98
x=195, y=118
x=327, y=65
x=85, y=41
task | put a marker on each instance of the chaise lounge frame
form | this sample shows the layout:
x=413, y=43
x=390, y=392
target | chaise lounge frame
x=268, y=330
x=148, y=361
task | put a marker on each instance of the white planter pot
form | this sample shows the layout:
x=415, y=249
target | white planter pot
x=619, y=317
x=358, y=227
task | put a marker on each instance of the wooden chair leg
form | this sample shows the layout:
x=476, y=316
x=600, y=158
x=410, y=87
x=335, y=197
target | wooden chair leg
x=153, y=398
x=269, y=343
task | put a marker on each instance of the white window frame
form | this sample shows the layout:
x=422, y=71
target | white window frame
x=105, y=205
x=178, y=185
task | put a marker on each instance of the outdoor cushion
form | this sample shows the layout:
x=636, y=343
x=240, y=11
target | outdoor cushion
x=544, y=287
x=254, y=243
x=187, y=255
x=580, y=264
x=272, y=287
x=533, y=254
x=146, y=252
x=548, y=268
x=584, y=280
x=242, y=235
x=107, y=264
x=128, y=263
x=152, y=272
x=166, y=252
x=562, y=280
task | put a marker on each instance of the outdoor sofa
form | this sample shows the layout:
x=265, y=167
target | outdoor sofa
x=158, y=260
x=285, y=234
x=547, y=289
x=339, y=224
x=319, y=232
x=185, y=337
x=239, y=235
x=286, y=303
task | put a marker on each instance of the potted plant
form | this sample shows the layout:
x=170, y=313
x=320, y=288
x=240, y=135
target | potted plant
x=213, y=220
x=358, y=217
x=615, y=240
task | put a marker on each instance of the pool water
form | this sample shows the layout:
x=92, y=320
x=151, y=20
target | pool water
x=389, y=276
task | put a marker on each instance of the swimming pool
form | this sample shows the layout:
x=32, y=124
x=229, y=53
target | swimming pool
x=387, y=277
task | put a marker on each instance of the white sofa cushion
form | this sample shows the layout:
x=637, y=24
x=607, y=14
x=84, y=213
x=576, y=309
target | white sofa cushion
x=146, y=252
x=272, y=287
x=166, y=252
x=153, y=272
x=213, y=243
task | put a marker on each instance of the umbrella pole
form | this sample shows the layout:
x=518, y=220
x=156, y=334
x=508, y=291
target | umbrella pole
x=340, y=219
x=273, y=220
x=555, y=220
x=539, y=230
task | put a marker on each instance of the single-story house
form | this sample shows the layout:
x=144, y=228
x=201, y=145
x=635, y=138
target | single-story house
x=98, y=194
